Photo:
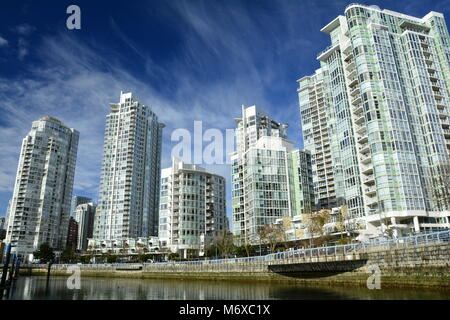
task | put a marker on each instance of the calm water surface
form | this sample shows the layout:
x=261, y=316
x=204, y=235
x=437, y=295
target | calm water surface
x=31, y=288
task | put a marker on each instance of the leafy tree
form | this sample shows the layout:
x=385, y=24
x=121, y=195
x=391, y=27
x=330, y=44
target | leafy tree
x=344, y=240
x=68, y=255
x=111, y=258
x=85, y=258
x=174, y=256
x=249, y=249
x=212, y=251
x=245, y=250
x=44, y=253
x=144, y=257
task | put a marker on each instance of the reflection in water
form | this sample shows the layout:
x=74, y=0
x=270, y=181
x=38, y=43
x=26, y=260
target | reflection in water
x=26, y=288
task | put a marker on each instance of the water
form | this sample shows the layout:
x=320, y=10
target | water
x=36, y=287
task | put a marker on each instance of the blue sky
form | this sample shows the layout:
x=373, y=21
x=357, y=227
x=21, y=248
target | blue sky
x=188, y=60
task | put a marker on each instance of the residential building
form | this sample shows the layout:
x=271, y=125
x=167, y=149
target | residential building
x=72, y=233
x=303, y=182
x=129, y=187
x=265, y=183
x=192, y=208
x=2, y=251
x=124, y=247
x=2, y=228
x=314, y=102
x=292, y=229
x=84, y=215
x=76, y=201
x=386, y=78
x=40, y=206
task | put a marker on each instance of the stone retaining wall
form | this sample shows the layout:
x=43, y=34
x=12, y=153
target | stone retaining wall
x=410, y=267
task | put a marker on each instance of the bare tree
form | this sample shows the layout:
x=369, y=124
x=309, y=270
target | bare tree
x=272, y=235
x=315, y=223
x=224, y=242
x=341, y=225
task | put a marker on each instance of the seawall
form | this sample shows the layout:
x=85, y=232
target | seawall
x=419, y=266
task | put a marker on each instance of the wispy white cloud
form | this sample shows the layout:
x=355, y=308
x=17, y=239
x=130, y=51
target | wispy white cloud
x=76, y=83
x=24, y=29
x=3, y=42
x=224, y=60
x=22, y=48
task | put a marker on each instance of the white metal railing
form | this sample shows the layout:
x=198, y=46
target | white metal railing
x=380, y=245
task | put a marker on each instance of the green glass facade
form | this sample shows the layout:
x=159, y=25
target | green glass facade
x=386, y=78
x=267, y=181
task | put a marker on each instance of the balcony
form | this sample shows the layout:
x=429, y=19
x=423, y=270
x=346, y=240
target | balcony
x=352, y=74
x=371, y=201
x=440, y=105
x=355, y=91
x=438, y=95
x=433, y=77
x=364, y=148
x=431, y=69
x=360, y=120
x=361, y=129
x=363, y=139
x=428, y=60
x=424, y=45
x=427, y=54
x=411, y=25
x=353, y=81
x=350, y=65
x=446, y=133
x=348, y=51
x=370, y=191
x=356, y=100
x=370, y=180
x=322, y=56
x=366, y=158
x=442, y=116
x=367, y=169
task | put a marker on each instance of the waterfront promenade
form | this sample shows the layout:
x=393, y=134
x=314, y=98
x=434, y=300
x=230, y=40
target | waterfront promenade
x=415, y=261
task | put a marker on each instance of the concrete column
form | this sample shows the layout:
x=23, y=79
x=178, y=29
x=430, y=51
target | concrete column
x=395, y=233
x=394, y=228
x=383, y=227
x=416, y=224
x=393, y=221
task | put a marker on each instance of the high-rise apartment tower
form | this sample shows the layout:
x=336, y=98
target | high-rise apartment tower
x=40, y=207
x=385, y=82
x=265, y=178
x=129, y=187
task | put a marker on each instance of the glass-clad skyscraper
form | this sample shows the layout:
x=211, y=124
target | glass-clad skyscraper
x=385, y=82
x=266, y=181
x=76, y=201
